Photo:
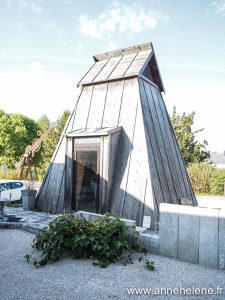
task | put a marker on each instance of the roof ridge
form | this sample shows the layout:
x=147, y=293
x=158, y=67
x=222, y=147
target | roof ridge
x=123, y=51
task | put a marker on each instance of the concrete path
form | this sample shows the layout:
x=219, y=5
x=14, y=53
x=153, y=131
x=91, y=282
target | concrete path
x=76, y=279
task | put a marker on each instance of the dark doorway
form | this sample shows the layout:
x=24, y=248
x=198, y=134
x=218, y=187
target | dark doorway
x=86, y=178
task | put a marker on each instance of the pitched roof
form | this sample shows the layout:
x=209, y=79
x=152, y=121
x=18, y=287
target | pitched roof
x=123, y=63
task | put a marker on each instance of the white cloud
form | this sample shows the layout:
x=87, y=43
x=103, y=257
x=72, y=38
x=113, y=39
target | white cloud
x=111, y=45
x=219, y=6
x=49, y=25
x=20, y=58
x=121, y=18
x=3, y=53
x=80, y=45
x=19, y=26
x=68, y=2
x=89, y=27
x=36, y=8
x=21, y=6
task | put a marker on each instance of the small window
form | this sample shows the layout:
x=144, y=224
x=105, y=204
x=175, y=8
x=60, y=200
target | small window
x=88, y=140
x=15, y=185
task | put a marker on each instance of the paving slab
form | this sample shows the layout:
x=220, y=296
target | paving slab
x=168, y=230
x=30, y=220
x=221, y=246
x=188, y=244
x=208, y=237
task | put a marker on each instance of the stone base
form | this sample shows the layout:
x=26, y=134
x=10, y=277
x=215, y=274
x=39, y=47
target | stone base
x=92, y=217
x=193, y=234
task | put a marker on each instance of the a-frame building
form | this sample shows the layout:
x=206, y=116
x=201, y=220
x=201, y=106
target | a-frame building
x=118, y=151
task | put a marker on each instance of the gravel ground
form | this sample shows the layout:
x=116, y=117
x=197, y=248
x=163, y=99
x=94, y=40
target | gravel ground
x=78, y=279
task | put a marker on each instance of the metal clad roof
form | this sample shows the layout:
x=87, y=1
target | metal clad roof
x=138, y=63
x=108, y=69
x=135, y=67
x=124, y=51
x=124, y=63
x=118, y=64
x=93, y=132
x=94, y=71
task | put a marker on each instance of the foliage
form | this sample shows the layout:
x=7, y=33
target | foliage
x=51, y=141
x=10, y=174
x=217, y=182
x=192, y=151
x=17, y=203
x=206, y=179
x=200, y=175
x=16, y=132
x=43, y=123
x=105, y=240
x=150, y=265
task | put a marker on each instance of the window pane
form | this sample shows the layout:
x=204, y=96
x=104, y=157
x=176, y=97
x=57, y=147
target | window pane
x=86, y=180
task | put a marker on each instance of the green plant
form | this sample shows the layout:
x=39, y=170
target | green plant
x=104, y=240
x=200, y=175
x=14, y=204
x=217, y=182
x=16, y=132
x=11, y=174
x=45, y=154
x=150, y=265
x=206, y=179
x=192, y=150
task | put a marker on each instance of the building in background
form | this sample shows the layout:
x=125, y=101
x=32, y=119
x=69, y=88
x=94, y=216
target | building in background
x=218, y=160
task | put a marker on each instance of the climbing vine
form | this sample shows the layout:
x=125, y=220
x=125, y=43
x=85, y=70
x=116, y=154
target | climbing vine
x=106, y=240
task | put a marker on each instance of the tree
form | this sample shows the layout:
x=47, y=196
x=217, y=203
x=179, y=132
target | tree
x=43, y=123
x=192, y=150
x=51, y=143
x=16, y=132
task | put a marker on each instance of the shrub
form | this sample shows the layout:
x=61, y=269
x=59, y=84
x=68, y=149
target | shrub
x=217, y=182
x=206, y=179
x=105, y=240
x=10, y=174
x=200, y=175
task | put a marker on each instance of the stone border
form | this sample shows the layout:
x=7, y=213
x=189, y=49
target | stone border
x=33, y=228
x=193, y=234
x=147, y=239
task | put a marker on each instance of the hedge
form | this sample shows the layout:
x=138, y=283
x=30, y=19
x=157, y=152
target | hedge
x=206, y=179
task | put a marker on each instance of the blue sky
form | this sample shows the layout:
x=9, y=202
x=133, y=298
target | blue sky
x=47, y=45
